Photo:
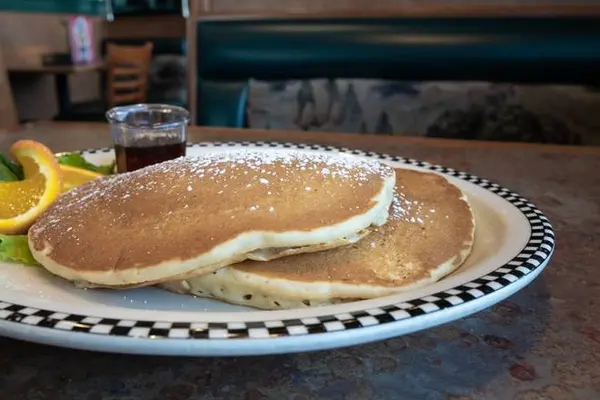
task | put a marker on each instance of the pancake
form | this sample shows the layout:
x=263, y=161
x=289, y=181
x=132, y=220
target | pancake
x=430, y=232
x=194, y=215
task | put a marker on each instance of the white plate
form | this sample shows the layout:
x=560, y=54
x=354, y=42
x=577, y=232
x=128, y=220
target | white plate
x=513, y=243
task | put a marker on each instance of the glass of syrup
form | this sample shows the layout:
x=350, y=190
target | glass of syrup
x=145, y=134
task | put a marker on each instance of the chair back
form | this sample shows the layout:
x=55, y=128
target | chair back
x=127, y=73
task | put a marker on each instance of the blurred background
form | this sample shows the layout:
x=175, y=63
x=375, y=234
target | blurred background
x=55, y=65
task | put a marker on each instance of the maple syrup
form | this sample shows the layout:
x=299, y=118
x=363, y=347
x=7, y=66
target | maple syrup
x=146, y=134
x=130, y=158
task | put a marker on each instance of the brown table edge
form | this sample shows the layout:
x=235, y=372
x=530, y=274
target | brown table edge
x=354, y=139
x=350, y=140
x=57, y=69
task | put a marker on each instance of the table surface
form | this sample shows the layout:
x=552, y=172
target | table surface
x=541, y=343
x=58, y=69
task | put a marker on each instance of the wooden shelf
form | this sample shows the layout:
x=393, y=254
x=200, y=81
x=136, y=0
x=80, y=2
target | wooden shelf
x=144, y=27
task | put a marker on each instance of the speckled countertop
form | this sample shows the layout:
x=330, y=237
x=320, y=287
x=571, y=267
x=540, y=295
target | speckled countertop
x=541, y=343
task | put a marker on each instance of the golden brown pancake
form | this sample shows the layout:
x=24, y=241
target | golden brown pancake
x=194, y=215
x=429, y=234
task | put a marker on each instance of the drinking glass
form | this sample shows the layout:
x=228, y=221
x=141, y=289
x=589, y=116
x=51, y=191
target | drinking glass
x=145, y=134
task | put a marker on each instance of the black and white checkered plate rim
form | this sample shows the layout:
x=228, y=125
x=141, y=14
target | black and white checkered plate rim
x=539, y=247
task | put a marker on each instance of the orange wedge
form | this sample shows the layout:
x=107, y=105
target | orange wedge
x=73, y=176
x=21, y=202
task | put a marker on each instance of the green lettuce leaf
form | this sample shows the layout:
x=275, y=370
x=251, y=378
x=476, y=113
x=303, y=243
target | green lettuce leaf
x=6, y=175
x=9, y=171
x=16, y=249
x=77, y=160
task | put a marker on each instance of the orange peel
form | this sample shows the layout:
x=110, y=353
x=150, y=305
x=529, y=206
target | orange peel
x=22, y=202
x=74, y=176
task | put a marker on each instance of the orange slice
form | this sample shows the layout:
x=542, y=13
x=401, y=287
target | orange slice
x=21, y=202
x=74, y=176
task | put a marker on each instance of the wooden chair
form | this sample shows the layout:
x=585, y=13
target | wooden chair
x=126, y=81
x=127, y=69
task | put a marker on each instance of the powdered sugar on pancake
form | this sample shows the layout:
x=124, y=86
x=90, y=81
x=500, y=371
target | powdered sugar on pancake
x=221, y=166
x=406, y=210
x=258, y=168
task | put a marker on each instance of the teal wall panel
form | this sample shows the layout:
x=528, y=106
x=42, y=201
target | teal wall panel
x=87, y=7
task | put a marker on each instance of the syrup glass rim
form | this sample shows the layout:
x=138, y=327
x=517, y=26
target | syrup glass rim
x=116, y=115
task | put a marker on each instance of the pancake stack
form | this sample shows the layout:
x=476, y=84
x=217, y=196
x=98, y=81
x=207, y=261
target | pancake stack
x=259, y=228
x=194, y=215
